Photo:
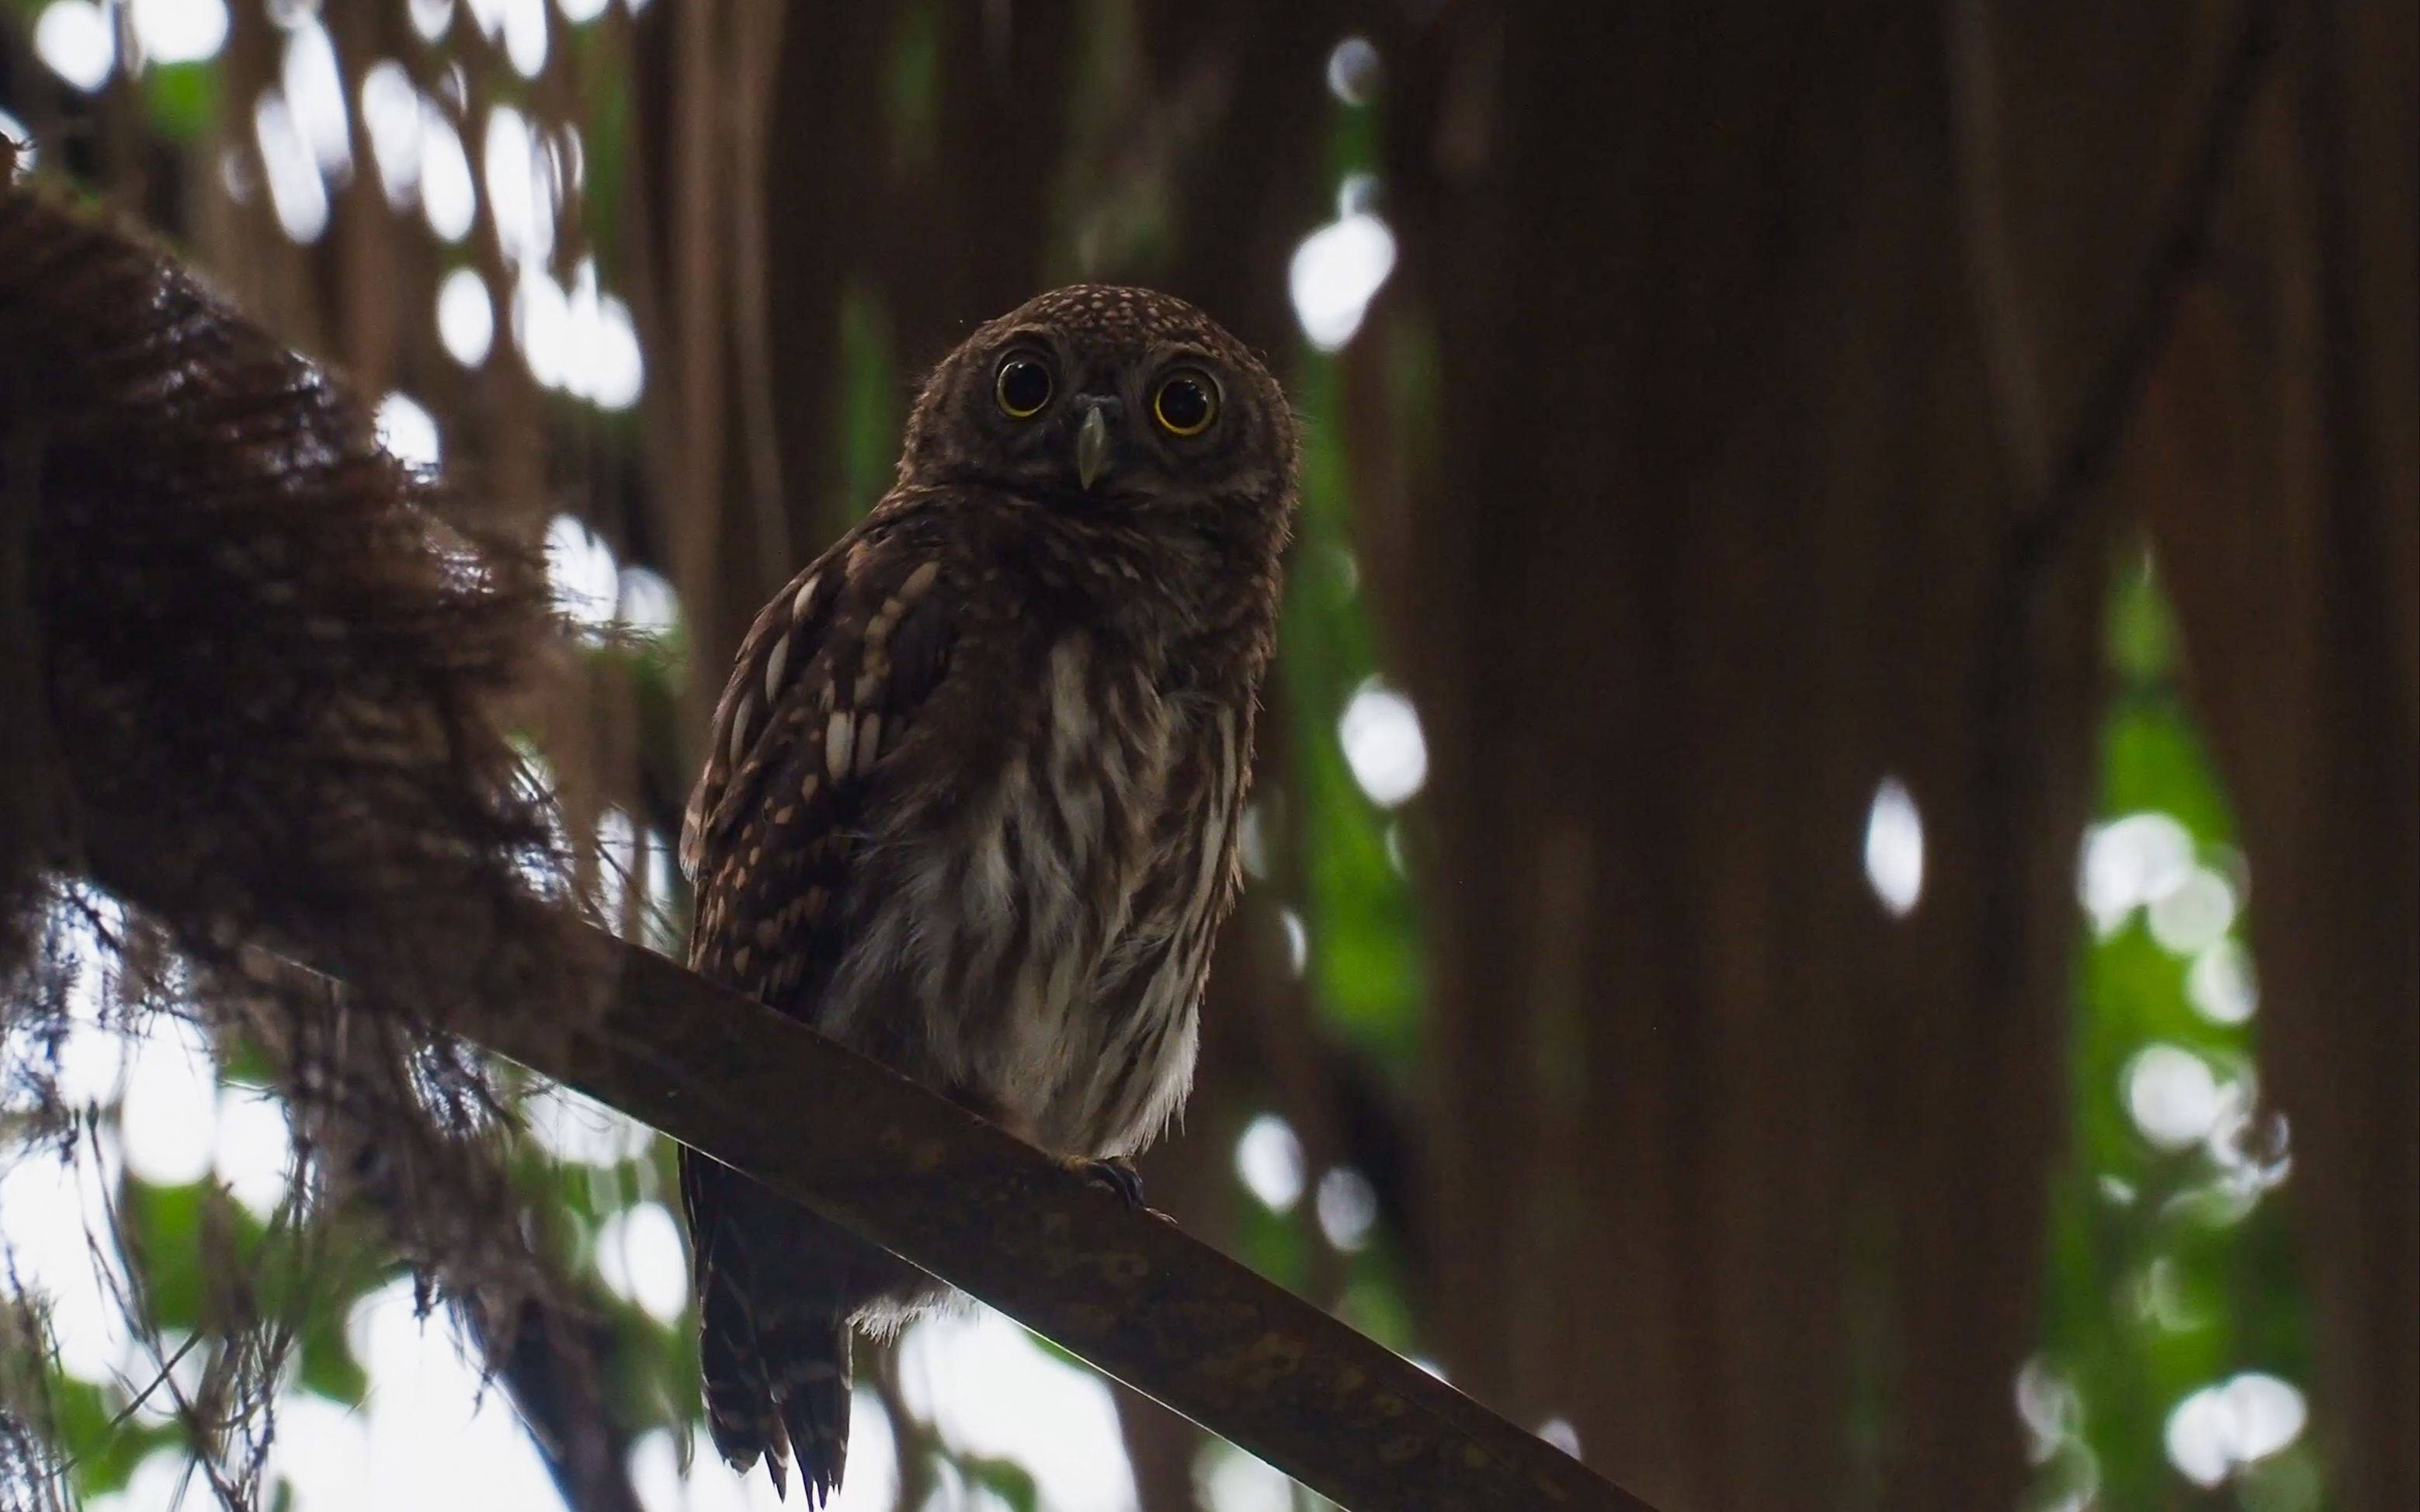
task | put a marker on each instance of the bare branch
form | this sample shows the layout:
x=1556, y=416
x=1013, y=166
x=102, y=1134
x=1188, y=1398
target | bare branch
x=1130, y=1292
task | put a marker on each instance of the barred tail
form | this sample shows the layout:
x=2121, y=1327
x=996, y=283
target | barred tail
x=777, y=1379
x=808, y=1365
x=775, y=1297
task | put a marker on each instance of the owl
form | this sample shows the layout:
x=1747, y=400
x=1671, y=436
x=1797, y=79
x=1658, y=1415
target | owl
x=971, y=800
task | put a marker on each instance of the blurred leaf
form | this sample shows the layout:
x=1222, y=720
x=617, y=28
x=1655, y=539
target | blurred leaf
x=1004, y=1478
x=2155, y=760
x=104, y=1452
x=870, y=417
x=2142, y=628
x=605, y=90
x=1363, y=959
x=915, y=82
x=183, y=98
x=163, y=1251
x=328, y=1367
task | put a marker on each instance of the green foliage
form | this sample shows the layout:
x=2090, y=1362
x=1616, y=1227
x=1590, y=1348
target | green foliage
x=1004, y=1478
x=103, y=1443
x=913, y=97
x=605, y=146
x=163, y=1236
x=1363, y=961
x=870, y=414
x=2170, y=1269
x=183, y=99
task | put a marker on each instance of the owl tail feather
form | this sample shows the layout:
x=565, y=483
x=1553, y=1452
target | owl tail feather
x=809, y=1367
x=777, y=1388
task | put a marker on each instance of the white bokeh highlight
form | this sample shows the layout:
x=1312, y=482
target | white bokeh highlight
x=577, y=1130
x=76, y=41
x=1380, y=733
x=178, y=31
x=2220, y=984
x=587, y=580
x=2172, y=1095
x=168, y=1120
x=22, y=138
x=390, y=115
x=1269, y=1162
x=2219, y=1429
x=252, y=1151
x=649, y=607
x=1347, y=1205
x=296, y=190
x=1335, y=273
x=2131, y=863
x=640, y=1259
x=1559, y=1432
x=989, y=1390
x=448, y=199
x=315, y=90
x=1298, y=940
x=1226, y=1479
x=2194, y=915
x=1894, y=848
x=409, y=432
x=1353, y=70
x=525, y=29
x=466, y=318
x=48, y=1210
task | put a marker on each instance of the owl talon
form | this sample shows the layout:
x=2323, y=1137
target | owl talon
x=1117, y=1174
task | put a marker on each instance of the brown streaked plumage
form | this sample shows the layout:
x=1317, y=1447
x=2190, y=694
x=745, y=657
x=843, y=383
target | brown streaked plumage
x=971, y=800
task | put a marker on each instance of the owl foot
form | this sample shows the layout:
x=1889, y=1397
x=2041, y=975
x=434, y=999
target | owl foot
x=1118, y=1175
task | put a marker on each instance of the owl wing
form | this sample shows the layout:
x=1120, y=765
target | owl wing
x=830, y=678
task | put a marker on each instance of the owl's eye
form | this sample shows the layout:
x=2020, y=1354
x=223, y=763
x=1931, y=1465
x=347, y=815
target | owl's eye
x=1186, y=402
x=1023, y=386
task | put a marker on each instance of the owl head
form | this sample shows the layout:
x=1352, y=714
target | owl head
x=1097, y=395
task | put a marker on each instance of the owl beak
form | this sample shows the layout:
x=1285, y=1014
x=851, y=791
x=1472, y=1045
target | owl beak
x=1092, y=446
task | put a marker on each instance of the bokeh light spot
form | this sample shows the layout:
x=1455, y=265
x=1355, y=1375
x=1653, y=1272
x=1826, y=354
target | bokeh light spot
x=409, y=432
x=466, y=318
x=1336, y=271
x=1268, y=1161
x=2172, y=1096
x=1894, y=848
x=78, y=43
x=180, y=31
x=1348, y=1208
x=1380, y=732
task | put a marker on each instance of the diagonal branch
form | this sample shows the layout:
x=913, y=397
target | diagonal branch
x=1128, y=1292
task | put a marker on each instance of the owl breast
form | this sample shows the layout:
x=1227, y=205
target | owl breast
x=1045, y=928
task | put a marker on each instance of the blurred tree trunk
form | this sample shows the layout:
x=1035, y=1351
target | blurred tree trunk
x=1746, y=328
x=2278, y=461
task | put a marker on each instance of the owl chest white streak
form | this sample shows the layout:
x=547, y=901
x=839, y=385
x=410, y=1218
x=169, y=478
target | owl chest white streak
x=997, y=916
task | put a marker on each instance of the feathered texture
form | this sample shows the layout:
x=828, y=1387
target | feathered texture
x=251, y=682
x=973, y=795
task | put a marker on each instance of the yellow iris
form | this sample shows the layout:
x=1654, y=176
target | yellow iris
x=1185, y=404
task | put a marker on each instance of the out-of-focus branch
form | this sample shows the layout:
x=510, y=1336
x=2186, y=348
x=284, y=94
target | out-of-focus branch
x=1126, y=1292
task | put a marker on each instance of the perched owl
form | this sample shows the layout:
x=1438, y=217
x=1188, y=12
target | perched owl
x=973, y=793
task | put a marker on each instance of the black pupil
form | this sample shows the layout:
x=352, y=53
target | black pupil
x=1024, y=387
x=1182, y=404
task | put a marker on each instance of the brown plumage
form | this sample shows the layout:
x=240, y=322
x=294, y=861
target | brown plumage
x=973, y=792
